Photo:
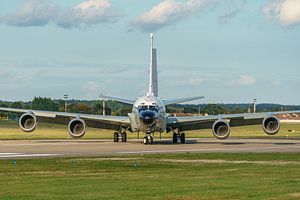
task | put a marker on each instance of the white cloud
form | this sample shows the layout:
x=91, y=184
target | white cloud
x=169, y=12
x=32, y=13
x=42, y=12
x=243, y=80
x=231, y=9
x=90, y=87
x=286, y=12
x=88, y=13
x=192, y=81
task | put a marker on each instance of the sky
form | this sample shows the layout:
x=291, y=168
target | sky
x=229, y=51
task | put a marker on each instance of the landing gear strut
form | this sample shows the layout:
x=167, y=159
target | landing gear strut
x=122, y=136
x=148, y=139
x=180, y=136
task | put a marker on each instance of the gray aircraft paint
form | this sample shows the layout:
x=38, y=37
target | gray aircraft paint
x=151, y=99
x=153, y=83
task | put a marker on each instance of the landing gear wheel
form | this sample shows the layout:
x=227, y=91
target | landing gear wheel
x=182, y=138
x=150, y=138
x=124, y=137
x=175, y=139
x=116, y=137
x=145, y=140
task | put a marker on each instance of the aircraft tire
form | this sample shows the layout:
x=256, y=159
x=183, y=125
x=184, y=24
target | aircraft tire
x=182, y=138
x=116, y=137
x=175, y=139
x=145, y=140
x=124, y=137
x=150, y=139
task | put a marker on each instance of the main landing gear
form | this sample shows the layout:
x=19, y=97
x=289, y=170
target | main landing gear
x=120, y=136
x=148, y=139
x=178, y=137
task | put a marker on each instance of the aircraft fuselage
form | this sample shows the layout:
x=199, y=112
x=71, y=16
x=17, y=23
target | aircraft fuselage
x=148, y=115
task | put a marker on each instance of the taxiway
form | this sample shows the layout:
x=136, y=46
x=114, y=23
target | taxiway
x=10, y=149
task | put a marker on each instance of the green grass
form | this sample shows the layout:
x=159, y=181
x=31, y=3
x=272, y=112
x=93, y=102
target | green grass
x=154, y=177
x=10, y=130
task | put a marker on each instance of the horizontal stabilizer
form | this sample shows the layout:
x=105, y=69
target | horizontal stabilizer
x=181, y=100
x=104, y=97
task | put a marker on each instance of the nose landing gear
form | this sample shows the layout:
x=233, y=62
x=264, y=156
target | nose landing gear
x=148, y=139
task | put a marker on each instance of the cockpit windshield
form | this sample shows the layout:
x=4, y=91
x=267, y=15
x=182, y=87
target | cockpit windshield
x=153, y=108
x=144, y=107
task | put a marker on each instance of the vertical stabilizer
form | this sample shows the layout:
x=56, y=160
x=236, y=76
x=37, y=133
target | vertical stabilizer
x=153, y=84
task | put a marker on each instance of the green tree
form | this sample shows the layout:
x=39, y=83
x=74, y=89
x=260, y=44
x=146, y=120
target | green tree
x=80, y=108
x=4, y=104
x=214, y=109
x=97, y=108
x=190, y=110
x=125, y=111
x=17, y=104
x=43, y=103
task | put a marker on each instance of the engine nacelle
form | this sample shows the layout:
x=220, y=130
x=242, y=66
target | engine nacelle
x=221, y=129
x=77, y=128
x=27, y=122
x=271, y=125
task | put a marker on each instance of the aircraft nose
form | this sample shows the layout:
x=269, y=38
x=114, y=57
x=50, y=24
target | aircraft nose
x=148, y=116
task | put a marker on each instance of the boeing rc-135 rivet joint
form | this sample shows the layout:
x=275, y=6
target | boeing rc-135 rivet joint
x=149, y=116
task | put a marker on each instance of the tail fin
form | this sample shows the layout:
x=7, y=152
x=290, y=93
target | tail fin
x=153, y=84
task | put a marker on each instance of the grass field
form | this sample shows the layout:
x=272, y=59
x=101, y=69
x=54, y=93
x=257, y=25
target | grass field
x=186, y=176
x=11, y=130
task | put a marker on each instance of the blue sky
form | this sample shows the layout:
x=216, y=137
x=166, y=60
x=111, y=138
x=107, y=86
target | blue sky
x=228, y=51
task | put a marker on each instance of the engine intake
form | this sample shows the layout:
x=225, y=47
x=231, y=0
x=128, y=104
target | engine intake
x=221, y=129
x=77, y=128
x=27, y=122
x=271, y=125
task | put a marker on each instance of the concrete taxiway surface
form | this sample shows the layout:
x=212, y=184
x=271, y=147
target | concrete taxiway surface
x=11, y=149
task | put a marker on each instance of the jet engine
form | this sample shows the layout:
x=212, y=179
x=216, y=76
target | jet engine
x=27, y=122
x=77, y=128
x=221, y=129
x=271, y=125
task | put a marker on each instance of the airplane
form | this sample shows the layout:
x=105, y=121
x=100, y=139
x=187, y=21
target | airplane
x=149, y=116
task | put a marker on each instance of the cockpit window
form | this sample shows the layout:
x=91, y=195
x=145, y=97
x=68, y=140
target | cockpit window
x=142, y=108
x=152, y=108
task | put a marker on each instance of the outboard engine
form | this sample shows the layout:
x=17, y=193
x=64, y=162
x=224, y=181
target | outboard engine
x=221, y=129
x=77, y=128
x=27, y=122
x=271, y=125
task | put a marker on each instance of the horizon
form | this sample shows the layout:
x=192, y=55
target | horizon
x=183, y=104
x=227, y=51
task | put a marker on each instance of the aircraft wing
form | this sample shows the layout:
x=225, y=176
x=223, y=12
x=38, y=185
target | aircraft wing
x=181, y=100
x=205, y=122
x=126, y=101
x=95, y=121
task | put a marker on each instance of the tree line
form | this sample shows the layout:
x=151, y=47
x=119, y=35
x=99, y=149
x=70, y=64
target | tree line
x=120, y=109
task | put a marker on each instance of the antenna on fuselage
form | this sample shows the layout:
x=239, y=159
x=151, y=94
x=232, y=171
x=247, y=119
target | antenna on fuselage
x=153, y=83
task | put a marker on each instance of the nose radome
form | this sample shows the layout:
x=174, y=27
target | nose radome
x=148, y=117
x=148, y=114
